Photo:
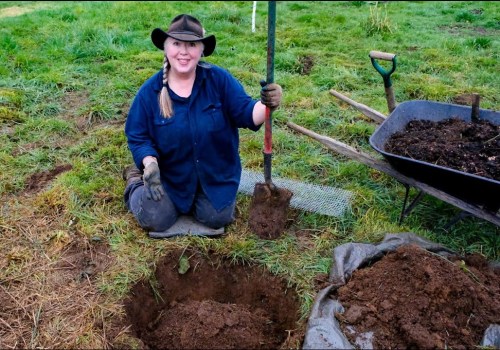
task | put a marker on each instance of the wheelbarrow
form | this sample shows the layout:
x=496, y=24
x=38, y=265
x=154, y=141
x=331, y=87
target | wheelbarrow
x=473, y=194
x=471, y=188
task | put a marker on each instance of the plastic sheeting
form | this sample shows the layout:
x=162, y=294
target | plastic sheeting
x=323, y=331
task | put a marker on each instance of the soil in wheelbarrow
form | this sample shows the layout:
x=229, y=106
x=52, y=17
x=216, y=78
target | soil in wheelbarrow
x=200, y=301
x=415, y=299
x=471, y=147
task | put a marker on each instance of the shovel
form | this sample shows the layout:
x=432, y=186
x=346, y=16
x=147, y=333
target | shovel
x=269, y=206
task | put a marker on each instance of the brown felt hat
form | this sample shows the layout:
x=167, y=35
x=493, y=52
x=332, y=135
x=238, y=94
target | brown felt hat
x=184, y=28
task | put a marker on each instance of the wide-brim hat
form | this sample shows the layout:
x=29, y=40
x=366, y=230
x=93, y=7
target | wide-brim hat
x=184, y=28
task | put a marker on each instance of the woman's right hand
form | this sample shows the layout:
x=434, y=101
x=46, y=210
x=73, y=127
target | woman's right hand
x=152, y=182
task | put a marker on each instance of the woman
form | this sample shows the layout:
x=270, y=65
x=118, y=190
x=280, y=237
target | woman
x=182, y=131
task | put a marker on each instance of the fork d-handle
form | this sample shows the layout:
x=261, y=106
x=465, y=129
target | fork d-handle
x=386, y=75
x=268, y=148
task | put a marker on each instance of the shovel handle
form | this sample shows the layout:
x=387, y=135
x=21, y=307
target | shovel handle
x=386, y=75
x=382, y=55
x=386, y=57
x=268, y=146
x=271, y=36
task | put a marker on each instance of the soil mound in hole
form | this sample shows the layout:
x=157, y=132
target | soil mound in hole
x=207, y=302
x=471, y=147
x=415, y=299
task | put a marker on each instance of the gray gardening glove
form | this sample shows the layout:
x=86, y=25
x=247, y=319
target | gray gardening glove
x=270, y=95
x=152, y=182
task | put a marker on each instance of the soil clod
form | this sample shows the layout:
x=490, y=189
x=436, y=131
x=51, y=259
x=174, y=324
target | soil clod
x=268, y=210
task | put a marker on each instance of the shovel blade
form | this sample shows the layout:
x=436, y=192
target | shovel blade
x=268, y=210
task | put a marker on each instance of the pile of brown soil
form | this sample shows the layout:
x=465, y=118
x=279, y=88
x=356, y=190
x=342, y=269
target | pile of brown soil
x=412, y=298
x=471, y=147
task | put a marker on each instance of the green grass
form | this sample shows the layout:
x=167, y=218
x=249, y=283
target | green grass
x=71, y=69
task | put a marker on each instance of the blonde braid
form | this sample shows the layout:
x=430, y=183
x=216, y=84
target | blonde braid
x=165, y=101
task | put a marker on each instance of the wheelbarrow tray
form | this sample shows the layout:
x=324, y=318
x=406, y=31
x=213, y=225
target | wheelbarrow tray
x=471, y=188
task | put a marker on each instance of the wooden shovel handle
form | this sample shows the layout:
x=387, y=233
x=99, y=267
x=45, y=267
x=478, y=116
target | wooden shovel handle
x=382, y=55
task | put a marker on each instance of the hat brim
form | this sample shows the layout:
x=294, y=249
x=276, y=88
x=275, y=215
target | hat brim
x=158, y=36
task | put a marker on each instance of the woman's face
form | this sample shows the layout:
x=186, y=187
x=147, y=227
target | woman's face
x=183, y=56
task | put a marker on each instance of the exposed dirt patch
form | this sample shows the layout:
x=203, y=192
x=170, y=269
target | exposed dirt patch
x=304, y=240
x=14, y=11
x=29, y=147
x=463, y=99
x=306, y=65
x=72, y=102
x=414, y=299
x=461, y=29
x=471, y=147
x=38, y=181
x=82, y=261
x=214, y=304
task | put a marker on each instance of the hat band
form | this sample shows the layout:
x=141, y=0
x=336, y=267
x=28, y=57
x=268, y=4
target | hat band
x=185, y=35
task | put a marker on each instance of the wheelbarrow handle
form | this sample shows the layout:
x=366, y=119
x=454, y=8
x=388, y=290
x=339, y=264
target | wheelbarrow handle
x=386, y=75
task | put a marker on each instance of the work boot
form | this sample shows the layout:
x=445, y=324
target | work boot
x=131, y=174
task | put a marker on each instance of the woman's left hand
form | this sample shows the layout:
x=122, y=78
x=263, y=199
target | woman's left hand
x=270, y=95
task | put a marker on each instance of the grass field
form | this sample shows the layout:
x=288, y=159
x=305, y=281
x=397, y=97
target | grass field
x=70, y=71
